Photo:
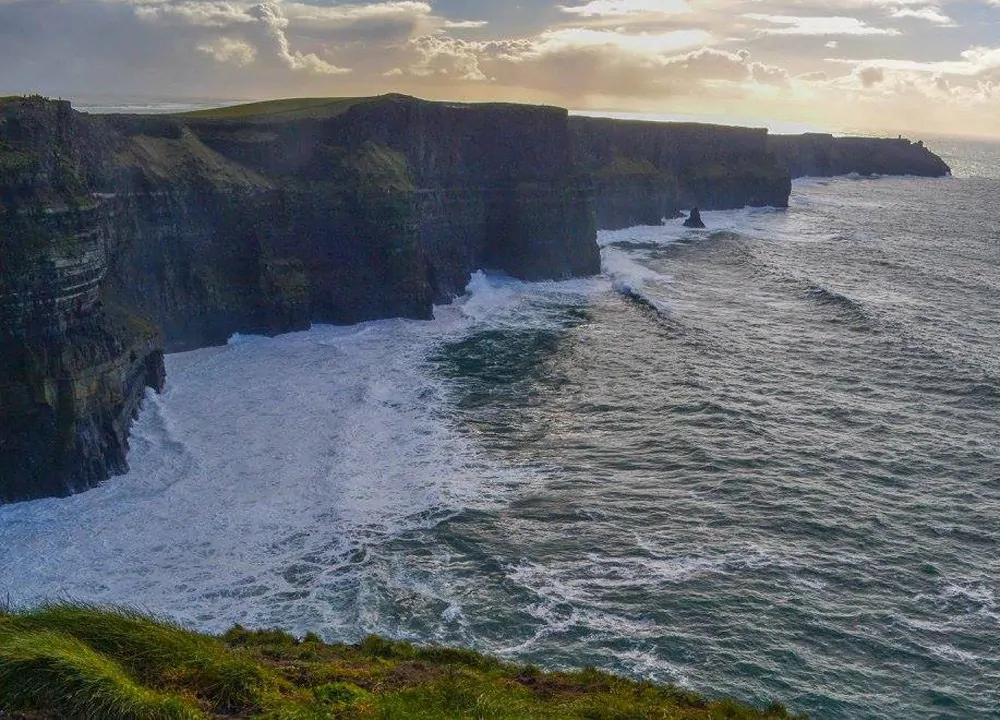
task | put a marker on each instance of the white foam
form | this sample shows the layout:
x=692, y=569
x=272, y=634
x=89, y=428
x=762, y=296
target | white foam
x=502, y=301
x=565, y=592
x=670, y=232
x=267, y=471
x=649, y=665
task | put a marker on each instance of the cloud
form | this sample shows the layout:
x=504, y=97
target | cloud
x=382, y=20
x=642, y=43
x=205, y=13
x=615, y=8
x=769, y=75
x=566, y=67
x=835, y=25
x=228, y=50
x=464, y=24
x=976, y=61
x=450, y=58
x=271, y=17
x=870, y=76
x=931, y=14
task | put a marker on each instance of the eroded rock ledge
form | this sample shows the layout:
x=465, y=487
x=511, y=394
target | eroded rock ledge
x=122, y=237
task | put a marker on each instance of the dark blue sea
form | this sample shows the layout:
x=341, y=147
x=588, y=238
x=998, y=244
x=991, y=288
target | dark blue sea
x=759, y=460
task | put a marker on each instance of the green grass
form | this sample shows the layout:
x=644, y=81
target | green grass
x=61, y=674
x=78, y=661
x=304, y=108
x=289, y=109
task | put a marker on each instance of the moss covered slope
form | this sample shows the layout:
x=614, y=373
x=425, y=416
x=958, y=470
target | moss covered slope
x=77, y=661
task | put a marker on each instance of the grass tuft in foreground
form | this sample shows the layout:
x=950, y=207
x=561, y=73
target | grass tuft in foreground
x=84, y=662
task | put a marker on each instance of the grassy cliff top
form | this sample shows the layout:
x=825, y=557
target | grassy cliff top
x=76, y=661
x=287, y=109
x=321, y=108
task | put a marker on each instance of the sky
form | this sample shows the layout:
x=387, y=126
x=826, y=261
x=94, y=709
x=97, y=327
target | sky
x=911, y=66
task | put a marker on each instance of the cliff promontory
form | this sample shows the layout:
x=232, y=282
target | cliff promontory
x=822, y=155
x=125, y=236
x=647, y=171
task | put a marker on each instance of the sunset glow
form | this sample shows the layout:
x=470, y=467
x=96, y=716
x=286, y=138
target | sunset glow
x=886, y=65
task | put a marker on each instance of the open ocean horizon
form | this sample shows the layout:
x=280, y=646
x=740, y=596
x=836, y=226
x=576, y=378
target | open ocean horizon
x=759, y=460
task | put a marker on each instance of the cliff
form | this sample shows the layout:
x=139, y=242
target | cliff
x=821, y=155
x=647, y=171
x=343, y=212
x=122, y=237
x=125, y=236
x=73, y=368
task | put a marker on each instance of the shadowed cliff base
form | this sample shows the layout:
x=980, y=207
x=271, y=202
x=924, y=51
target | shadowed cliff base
x=77, y=661
x=124, y=236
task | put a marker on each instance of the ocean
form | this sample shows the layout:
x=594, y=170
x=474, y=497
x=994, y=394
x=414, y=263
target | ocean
x=759, y=460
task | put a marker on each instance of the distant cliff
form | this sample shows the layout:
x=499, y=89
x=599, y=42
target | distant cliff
x=821, y=155
x=122, y=237
x=647, y=171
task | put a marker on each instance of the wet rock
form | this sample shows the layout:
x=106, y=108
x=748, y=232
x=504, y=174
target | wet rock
x=694, y=219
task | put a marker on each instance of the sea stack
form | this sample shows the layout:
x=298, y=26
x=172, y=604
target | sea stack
x=694, y=219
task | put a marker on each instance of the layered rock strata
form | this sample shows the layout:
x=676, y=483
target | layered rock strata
x=73, y=367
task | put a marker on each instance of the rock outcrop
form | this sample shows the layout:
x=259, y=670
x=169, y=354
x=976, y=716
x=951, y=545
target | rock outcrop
x=694, y=220
x=822, y=155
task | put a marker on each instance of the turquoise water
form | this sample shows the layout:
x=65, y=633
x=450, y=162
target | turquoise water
x=760, y=460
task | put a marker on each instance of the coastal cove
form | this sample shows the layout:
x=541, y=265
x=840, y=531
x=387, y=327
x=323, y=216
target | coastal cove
x=757, y=460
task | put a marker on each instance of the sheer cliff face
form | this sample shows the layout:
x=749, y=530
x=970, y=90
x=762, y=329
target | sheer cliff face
x=124, y=236
x=821, y=155
x=647, y=171
x=73, y=369
x=377, y=209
